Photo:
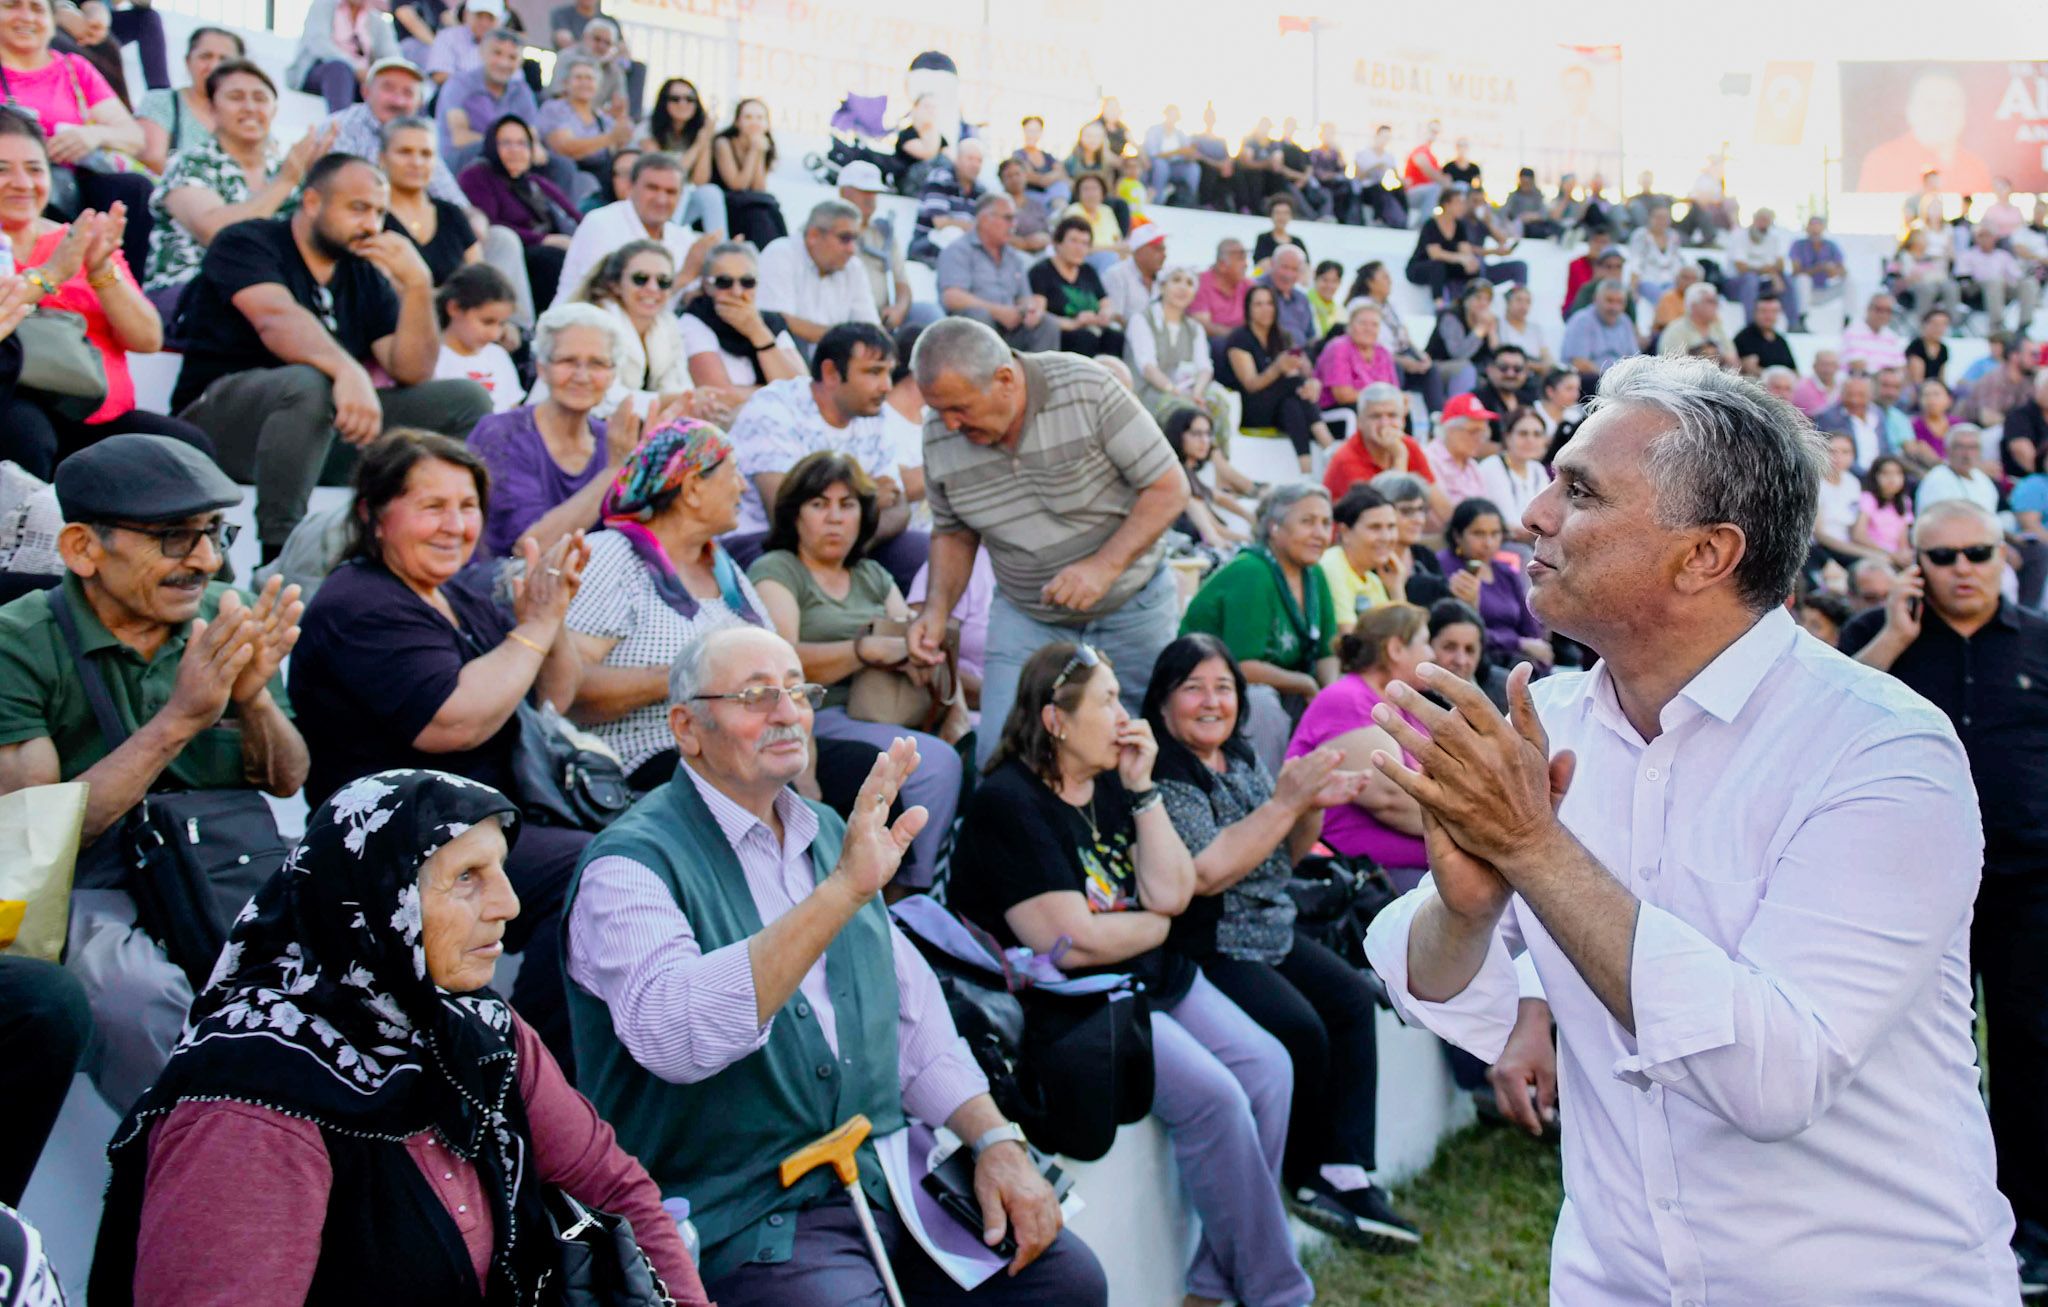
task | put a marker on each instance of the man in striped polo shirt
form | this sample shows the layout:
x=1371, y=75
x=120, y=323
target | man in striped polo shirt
x=1061, y=474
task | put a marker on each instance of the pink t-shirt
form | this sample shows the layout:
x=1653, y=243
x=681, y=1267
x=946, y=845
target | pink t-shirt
x=53, y=91
x=1340, y=364
x=1888, y=526
x=1224, y=307
x=1344, y=705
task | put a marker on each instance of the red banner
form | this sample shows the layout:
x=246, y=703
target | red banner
x=1968, y=121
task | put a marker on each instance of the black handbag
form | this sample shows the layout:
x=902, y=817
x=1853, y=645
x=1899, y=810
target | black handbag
x=1336, y=897
x=192, y=858
x=558, y=782
x=598, y=1262
x=1069, y=1068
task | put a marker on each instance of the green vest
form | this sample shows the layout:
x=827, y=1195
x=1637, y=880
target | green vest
x=718, y=1142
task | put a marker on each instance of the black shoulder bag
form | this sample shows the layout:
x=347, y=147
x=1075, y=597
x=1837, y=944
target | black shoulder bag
x=192, y=858
x=598, y=1261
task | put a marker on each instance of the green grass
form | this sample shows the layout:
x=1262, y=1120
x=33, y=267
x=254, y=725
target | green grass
x=1486, y=1208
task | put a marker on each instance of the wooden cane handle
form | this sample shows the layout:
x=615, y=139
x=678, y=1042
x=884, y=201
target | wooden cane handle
x=836, y=1150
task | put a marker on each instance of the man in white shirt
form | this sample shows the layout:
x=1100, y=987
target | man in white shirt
x=1991, y=276
x=1378, y=172
x=1872, y=343
x=1960, y=475
x=1173, y=161
x=647, y=213
x=1744, y=868
x=838, y=408
x=1763, y=262
x=813, y=280
x=1133, y=282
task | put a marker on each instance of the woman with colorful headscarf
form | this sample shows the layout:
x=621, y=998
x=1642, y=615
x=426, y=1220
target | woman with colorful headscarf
x=353, y=1115
x=657, y=579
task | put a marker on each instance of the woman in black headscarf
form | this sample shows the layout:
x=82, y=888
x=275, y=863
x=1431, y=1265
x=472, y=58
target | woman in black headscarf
x=504, y=187
x=352, y=1114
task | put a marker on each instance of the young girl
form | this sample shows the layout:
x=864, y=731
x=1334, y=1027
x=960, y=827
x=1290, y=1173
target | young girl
x=474, y=305
x=1885, y=513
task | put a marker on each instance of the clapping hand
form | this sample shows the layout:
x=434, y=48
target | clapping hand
x=872, y=848
x=274, y=629
x=551, y=579
x=68, y=258
x=316, y=142
x=622, y=431
x=102, y=236
x=216, y=655
x=1312, y=781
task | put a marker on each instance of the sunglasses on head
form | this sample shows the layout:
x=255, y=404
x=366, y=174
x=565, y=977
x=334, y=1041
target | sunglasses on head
x=1979, y=554
x=727, y=283
x=660, y=279
x=1084, y=656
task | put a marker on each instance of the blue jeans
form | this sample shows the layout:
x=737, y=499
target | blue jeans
x=1185, y=173
x=1747, y=286
x=1131, y=638
x=706, y=206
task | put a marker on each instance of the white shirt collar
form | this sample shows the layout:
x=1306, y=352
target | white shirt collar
x=1721, y=689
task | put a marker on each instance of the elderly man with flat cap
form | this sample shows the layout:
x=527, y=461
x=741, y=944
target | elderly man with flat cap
x=190, y=666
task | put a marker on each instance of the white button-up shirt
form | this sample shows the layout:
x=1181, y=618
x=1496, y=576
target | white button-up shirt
x=1796, y=1121
x=792, y=284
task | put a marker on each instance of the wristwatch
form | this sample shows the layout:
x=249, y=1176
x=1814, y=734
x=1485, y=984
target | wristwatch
x=1008, y=1132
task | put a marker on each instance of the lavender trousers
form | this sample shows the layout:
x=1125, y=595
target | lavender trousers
x=1223, y=1089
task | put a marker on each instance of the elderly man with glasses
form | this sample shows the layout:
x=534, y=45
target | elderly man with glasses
x=1949, y=634
x=190, y=673
x=737, y=989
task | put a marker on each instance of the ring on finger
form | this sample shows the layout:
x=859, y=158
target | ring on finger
x=554, y=571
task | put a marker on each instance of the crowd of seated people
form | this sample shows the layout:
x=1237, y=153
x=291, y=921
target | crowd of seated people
x=672, y=487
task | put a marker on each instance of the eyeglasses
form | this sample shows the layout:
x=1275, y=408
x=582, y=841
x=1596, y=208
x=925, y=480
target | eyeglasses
x=1979, y=554
x=1412, y=510
x=681, y=97
x=179, y=541
x=763, y=698
x=586, y=366
x=660, y=279
x=1084, y=656
x=727, y=283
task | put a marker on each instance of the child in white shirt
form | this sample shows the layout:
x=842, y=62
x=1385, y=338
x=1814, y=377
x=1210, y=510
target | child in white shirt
x=474, y=305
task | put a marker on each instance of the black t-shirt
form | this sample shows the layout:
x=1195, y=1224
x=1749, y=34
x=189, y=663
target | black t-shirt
x=1019, y=840
x=453, y=235
x=375, y=662
x=1063, y=298
x=909, y=134
x=1262, y=357
x=1466, y=172
x=1264, y=247
x=357, y=304
x=1773, y=353
x=1432, y=236
x=1936, y=363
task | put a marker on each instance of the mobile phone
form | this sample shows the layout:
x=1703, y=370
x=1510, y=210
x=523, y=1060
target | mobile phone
x=1913, y=609
x=1474, y=567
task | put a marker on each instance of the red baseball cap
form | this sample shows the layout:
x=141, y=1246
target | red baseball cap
x=1468, y=406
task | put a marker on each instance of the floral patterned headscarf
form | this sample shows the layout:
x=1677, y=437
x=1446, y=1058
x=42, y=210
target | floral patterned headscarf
x=643, y=489
x=321, y=1007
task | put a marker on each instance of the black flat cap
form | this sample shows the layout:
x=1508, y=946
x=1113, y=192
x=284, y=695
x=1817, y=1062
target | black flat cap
x=136, y=478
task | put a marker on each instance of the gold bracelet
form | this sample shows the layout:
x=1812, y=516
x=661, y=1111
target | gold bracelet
x=99, y=283
x=34, y=277
x=528, y=643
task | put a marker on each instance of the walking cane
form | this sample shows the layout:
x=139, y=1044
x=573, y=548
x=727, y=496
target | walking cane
x=837, y=1150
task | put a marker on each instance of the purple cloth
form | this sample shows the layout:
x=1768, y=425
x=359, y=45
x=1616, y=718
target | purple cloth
x=1345, y=705
x=492, y=194
x=557, y=113
x=525, y=479
x=1503, y=606
x=686, y=1015
x=467, y=92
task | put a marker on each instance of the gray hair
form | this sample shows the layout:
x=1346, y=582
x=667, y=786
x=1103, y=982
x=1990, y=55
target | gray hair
x=1779, y=370
x=686, y=673
x=958, y=345
x=504, y=34
x=1379, y=392
x=411, y=122
x=571, y=60
x=829, y=212
x=742, y=248
x=1699, y=291
x=1291, y=254
x=973, y=142
x=1943, y=509
x=1606, y=284
x=990, y=200
x=1359, y=306
x=1226, y=245
x=1400, y=487
x=1736, y=454
x=604, y=24
x=1280, y=501
x=1865, y=566
x=577, y=314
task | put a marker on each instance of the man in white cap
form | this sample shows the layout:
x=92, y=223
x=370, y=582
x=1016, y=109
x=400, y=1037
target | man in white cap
x=881, y=257
x=1133, y=282
x=459, y=49
x=395, y=88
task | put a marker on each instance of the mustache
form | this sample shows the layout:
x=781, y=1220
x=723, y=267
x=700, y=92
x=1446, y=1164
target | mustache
x=191, y=576
x=775, y=735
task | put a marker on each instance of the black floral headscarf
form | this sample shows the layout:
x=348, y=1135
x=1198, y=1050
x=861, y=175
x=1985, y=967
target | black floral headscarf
x=321, y=1007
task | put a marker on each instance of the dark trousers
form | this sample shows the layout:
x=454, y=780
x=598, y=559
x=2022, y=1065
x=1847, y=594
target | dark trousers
x=38, y=439
x=1091, y=342
x=831, y=1267
x=1281, y=405
x=1323, y=1011
x=544, y=273
x=542, y=862
x=143, y=28
x=333, y=81
x=2009, y=948
x=100, y=191
x=274, y=427
x=45, y=1024
x=1448, y=280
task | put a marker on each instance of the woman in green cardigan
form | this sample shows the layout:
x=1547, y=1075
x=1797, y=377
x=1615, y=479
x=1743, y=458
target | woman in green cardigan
x=1271, y=606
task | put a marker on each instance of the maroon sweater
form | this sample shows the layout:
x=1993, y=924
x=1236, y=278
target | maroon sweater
x=236, y=1195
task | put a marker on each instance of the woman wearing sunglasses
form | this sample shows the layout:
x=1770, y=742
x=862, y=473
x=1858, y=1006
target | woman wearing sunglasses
x=1067, y=849
x=730, y=343
x=680, y=125
x=631, y=285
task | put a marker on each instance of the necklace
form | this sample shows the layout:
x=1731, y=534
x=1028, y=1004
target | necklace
x=1087, y=812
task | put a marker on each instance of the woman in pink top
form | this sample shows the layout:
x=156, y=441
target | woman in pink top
x=77, y=268
x=1356, y=359
x=82, y=117
x=353, y=1115
x=1382, y=823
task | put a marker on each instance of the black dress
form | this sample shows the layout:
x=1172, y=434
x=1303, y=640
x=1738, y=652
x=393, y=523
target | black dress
x=452, y=238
